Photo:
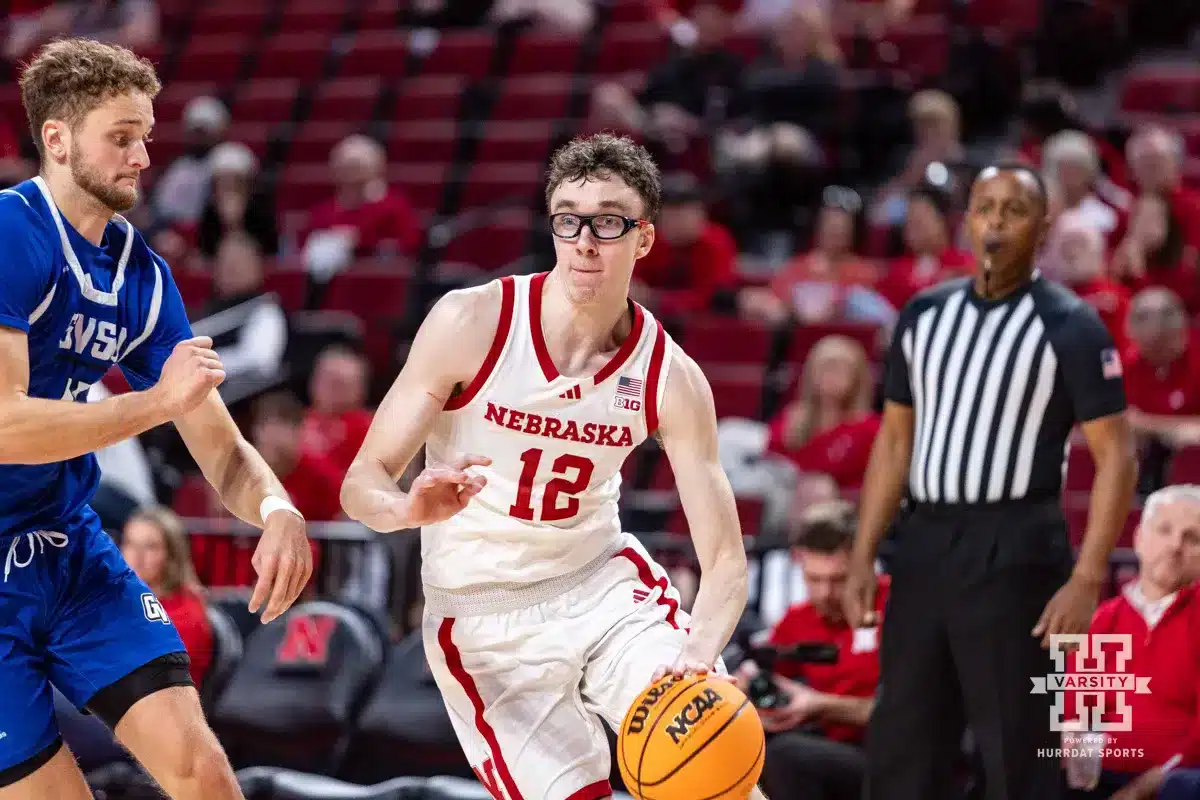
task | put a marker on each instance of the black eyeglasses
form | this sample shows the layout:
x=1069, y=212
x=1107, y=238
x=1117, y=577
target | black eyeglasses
x=603, y=226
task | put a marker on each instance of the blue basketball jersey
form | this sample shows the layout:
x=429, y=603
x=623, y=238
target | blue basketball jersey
x=84, y=308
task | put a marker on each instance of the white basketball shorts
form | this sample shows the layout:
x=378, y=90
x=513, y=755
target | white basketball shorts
x=526, y=689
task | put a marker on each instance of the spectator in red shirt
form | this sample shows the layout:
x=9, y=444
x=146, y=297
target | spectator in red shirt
x=155, y=546
x=1155, y=251
x=312, y=481
x=692, y=257
x=1075, y=256
x=337, y=422
x=830, y=283
x=931, y=258
x=365, y=217
x=821, y=710
x=1162, y=373
x=1160, y=613
x=1155, y=157
x=829, y=428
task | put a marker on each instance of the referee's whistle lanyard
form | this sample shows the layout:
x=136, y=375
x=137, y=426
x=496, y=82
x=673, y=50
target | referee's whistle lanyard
x=37, y=541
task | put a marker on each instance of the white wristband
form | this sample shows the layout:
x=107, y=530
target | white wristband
x=271, y=504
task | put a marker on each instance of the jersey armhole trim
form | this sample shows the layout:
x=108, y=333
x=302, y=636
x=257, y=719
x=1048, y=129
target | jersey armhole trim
x=507, y=304
x=654, y=378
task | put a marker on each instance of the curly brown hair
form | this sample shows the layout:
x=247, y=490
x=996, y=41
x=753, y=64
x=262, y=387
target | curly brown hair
x=69, y=77
x=604, y=155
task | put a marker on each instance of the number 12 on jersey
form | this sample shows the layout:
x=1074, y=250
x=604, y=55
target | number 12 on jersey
x=572, y=474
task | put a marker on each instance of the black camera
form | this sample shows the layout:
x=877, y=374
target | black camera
x=762, y=690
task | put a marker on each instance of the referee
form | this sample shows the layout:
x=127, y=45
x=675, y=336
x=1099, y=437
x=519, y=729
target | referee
x=985, y=380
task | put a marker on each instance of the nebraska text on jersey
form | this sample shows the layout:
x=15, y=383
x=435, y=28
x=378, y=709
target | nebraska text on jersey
x=567, y=431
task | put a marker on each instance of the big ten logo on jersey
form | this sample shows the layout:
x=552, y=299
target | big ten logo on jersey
x=153, y=609
x=628, y=396
x=106, y=338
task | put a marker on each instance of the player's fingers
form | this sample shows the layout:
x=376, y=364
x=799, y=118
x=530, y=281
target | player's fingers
x=200, y=341
x=469, y=460
x=438, y=475
x=266, y=578
x=281, y=588
x=1043, y=620
x=658, y=674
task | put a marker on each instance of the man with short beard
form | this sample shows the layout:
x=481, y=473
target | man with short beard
x=82, y=292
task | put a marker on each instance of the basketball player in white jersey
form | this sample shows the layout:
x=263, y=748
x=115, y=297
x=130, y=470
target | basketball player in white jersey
x=541, y=615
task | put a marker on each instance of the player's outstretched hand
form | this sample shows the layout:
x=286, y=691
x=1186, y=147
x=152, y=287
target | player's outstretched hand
x=441, y=491
x=191, y=372
x=283, y=561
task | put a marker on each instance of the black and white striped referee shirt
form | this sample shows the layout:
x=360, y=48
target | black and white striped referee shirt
x=996, y=387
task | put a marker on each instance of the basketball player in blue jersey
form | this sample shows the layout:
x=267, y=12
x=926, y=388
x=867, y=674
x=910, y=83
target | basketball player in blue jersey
x=81, y=292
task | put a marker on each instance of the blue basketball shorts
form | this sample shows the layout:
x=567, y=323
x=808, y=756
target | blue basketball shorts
x=72, y=615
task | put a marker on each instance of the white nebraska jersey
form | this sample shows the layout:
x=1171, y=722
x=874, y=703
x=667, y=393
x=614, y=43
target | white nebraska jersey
x=557, y=445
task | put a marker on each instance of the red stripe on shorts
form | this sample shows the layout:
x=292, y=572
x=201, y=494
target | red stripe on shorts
x=593, y=791
x=646, y=576
x=455, y=665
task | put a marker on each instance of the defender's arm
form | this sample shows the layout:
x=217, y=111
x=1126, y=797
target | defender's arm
x=689, y=435
x=228, y=461
x=34, y=430
x=448, y=351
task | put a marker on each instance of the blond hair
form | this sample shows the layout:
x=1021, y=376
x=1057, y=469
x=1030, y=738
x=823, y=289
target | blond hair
x=859, y=400
x=69, y=77
x=178, y=572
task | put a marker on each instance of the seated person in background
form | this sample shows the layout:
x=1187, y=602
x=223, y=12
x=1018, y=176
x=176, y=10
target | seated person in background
x=336, y=423
x=1155, y=252
x=823, y=708
x=364, y=218
x=237, y=202
x=156, y=547
x=830, y=283
x=937, y=139
x=931, y=258
x=1075, y=256
x=1071, y=164
x=248, y=326
x=693, y=257
x=1160, y=613
x=829, y=428
x=1162, y=370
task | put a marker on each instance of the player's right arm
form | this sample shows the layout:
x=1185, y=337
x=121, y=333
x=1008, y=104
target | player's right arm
x=448, y=350
x=35, y=430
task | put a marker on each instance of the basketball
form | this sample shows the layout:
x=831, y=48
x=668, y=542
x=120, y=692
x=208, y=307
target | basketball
x=687, y=738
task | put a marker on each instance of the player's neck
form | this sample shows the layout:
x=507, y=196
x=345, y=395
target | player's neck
x=576, y=328
x=86, y=214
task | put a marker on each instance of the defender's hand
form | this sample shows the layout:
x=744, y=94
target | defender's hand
x=858, y=599
x=191, y=372
x=440, y=492
x=283, y=561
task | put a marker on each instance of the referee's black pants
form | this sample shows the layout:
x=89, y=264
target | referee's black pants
x=968, y=586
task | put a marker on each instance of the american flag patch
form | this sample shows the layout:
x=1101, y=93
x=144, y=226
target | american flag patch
x=1110, y=363
x=629, y=387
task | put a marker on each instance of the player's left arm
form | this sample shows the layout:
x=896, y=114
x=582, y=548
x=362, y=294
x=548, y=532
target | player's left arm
x=689, y=434
x=248, y=487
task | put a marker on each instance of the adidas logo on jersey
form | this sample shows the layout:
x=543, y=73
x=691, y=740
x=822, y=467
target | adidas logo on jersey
x=574, y=393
